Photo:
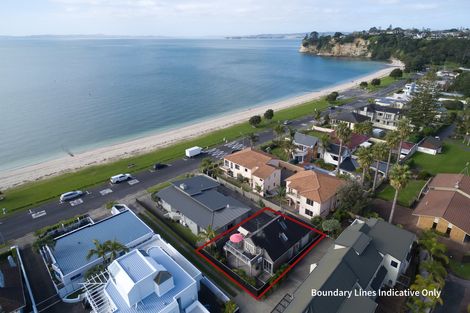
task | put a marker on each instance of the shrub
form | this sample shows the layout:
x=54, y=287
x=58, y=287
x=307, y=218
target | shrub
x=332, y=96
x=255, y=120
x=341, y=215
x=396, y=73
x=375, y=82
x=269, y=114
x=363, y=84
x=317, y=222
x=423, y=175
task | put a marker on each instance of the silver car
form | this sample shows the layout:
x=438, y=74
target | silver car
x=71, y=195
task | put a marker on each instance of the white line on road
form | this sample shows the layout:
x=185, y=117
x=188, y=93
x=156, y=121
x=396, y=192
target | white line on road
x=76, y=202
x=104, y=192
x=38, y=214
x=133, y=182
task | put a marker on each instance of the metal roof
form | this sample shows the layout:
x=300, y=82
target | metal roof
x=305, y=140
x=154, y=303
x=208, y=207
x=71, y=249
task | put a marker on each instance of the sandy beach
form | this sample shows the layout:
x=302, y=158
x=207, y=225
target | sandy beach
x=15, y=177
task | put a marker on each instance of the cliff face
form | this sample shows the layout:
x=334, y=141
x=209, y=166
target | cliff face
x=357, y=48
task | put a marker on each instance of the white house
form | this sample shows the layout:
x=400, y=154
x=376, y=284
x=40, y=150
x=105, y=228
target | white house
x=312, y=193
x=430, y=145
x=260, y=169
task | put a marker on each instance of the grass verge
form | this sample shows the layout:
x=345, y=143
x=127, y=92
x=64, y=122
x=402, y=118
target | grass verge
x=407, y=196
x=453, y=159
x=35, y=193
x=461, y=270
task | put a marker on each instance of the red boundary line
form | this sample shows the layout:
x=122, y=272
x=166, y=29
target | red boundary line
x=322, y=236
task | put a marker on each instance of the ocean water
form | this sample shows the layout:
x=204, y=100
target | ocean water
x=59, y=95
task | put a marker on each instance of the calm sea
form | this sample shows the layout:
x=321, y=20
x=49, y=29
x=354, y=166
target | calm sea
x=60, y=95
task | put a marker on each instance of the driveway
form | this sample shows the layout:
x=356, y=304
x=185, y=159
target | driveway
x=293, y=280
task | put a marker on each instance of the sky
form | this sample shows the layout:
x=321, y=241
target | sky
x=194, y=18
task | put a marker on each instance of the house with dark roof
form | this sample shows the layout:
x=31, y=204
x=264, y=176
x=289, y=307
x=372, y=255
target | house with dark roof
x=269, y=241
x=306, y=147
x=430, y=145
x=445, y=206
x=367, y=256
x=331, y=153
x=348, y=117
x=312, y=193
x=381, y=116
x=196, y=203
x=350, y=166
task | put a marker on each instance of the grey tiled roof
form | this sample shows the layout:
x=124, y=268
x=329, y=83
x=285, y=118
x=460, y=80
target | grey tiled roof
x=305, y=140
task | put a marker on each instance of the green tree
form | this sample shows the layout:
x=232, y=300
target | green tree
x=207, y=235
x=396, y=73
x=343, y=133
x=392, y=139
x=379, y=152
x=255, y=120
x=399, y=177
x=289, y=148
x=331, y=226
x=317, y=222
x=365, y=159
x=253, y=139
x=421, y=304
x=436, y=269
x=404, y=130
x=114, y=248
x=436, y=250
x=422, y=108
x=230, y=307
x=279, y=129
x=100, y=250
x=352, y=198
x=269, y=114
x=375, y=82
x=45, y=240
x=332, y=97
x=364, y=128
x=363, y=84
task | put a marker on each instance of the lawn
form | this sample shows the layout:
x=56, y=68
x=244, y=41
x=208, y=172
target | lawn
x=406, y=196
x=462, y=270
x=453, y=159
x=386, y=81
x=34, y=193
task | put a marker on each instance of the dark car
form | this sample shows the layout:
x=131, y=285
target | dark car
x=158, y=166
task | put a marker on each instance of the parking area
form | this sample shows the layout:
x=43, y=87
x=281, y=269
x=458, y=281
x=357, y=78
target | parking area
x=293, y=280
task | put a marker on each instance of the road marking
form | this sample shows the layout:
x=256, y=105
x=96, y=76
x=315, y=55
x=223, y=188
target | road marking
x=76, y=202
x=38, y=214
x=133, y=182
x=104, y=192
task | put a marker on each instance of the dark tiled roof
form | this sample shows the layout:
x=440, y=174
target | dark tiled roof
x=12, y=295
x=431, y=143
x=351, y=117
x=305, y=140
x=349, y=164
x=269, y=237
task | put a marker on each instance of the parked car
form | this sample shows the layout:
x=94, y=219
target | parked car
x=71, y=195
x=120, y=178
x=158, y=166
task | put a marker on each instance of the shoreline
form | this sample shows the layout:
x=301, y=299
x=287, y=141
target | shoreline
x=17, y=176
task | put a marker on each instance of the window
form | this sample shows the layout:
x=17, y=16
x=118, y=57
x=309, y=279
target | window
x=237, y=166
x=434, y=225
x=448, y=230
x=310, y=202
x=394, y=264
x=308, y=212
x=246, y=170
x=227, y=163
x=388, y=116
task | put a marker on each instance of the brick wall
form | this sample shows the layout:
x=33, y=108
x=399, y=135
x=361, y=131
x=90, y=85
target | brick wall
x=456, y=234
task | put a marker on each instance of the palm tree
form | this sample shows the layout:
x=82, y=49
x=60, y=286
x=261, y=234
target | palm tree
x=207, y=235
x=436, y=250
x=392, y=139
x=253, y=139
x=404, y=130
x=379, y=151
x=289, y=148
x=364, y=128
x=324, y=141
x=279, y=129
x=46, y=240
x=365, y=159
x=436, y=269
x=317, y=114
x=418, y=304
x=99, y=251
x=343, y=132
x=206, y=165
x=114, y=248
x=399, y=177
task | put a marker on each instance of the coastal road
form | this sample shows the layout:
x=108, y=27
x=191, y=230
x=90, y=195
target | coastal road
x=21, y=223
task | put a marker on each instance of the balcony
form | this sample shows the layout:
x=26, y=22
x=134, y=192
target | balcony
x=243, y=255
